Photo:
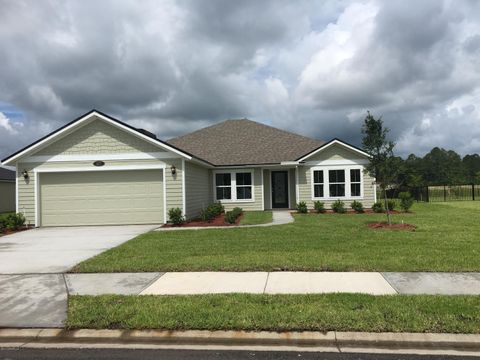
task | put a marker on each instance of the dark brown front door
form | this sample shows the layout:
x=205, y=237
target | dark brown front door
x=279, y=189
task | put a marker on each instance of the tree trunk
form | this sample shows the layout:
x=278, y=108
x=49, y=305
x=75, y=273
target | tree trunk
x=386, y=206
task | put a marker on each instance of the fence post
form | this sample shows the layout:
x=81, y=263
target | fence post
x=473, y=192
x=444, y=193
x=428, y=194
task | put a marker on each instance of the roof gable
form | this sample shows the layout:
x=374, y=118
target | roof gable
x=82, y=121
x=245, y=142
x=327, y=148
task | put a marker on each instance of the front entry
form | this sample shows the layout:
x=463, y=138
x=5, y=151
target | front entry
x=279, y=189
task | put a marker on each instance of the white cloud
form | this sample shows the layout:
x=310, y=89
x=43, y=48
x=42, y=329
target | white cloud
x=6, y=124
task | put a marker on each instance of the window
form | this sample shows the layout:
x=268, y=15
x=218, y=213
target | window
x=318, y=183
x=355, y=182
x=234, y=186
x=336, y=179
x=223, y=184
x=244, y=186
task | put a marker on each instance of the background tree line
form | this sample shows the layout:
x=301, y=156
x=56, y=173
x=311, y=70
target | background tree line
x=438, y=167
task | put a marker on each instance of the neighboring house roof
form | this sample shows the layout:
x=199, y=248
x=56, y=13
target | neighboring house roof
x=245, y=142
x=7, y=175
x=95, y=113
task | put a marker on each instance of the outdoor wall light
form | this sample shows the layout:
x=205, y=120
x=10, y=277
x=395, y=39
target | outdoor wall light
x=173, y=169
x=25, y=174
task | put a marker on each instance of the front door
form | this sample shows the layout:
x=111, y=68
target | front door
x=279, y=189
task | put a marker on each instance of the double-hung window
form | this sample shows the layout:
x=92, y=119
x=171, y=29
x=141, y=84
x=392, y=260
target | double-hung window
x=318, y=184
x=234, y=186
x=223, y=186
x=336, y=181
x=355, y=182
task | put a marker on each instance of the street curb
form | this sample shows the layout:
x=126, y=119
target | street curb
x=465, y=342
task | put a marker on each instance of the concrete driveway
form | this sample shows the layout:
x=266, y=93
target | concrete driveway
x=33, y=291
x=56, y=250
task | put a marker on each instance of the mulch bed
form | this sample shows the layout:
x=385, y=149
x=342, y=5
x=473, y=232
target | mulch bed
x=218, y=221
x=9, y=232
x=352, y=212
x=385, y=225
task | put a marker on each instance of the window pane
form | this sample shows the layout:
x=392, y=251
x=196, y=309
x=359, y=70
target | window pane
x=244, y=179
x=355, y=189
x=318, y=190
x=318, y=176
x=223, y=179
x=355, y=175
x=337, y=190
x=336, y=176
x=244, y=192
x=224, y=193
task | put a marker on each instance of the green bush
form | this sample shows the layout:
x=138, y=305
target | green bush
x=212, y=211
x=339, y=207
x=3, y=225
x=14, y=221
x=302, y=207
x=175, y=216
x=377, y=207
x=391, y=204
x=357, y=206
x=319, y=207
x=406, y=201
x=232, y=216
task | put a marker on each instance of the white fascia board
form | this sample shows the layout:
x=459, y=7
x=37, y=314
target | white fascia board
x=102, y=168
x=85, y=119
x=333, y=142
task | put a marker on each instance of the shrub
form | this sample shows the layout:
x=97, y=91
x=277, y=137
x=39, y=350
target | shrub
x=319, y=206
x=3, y=225
x=357, y=206
x=14, y=221
x=302, y=207
x=391, y=204
x=211, y=211
x=232, y=216
x=377, y=207
x=175, y=216
x=339, y=207
x=406, y=201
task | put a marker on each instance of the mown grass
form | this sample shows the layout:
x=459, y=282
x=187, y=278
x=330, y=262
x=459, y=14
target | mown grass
x=446, y=239
x=328, y=312
x=256, y=217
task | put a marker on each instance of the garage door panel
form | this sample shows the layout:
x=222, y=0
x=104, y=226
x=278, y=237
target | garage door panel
x=101, y=198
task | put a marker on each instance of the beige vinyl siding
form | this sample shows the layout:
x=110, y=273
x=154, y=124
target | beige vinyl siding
x=101, y=198
x=335, y=152
x=7, y=196
x=98, y=137
x=257, y=204
x=197, y=190
x=174, y=185
x=267, y=183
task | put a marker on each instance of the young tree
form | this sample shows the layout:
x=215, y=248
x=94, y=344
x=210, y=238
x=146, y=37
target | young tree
x=383, y=165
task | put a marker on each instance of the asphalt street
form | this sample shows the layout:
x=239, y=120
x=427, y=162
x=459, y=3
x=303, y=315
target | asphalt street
x=130, y=354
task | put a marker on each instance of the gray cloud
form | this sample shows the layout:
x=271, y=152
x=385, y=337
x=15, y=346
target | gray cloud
x=311, y=67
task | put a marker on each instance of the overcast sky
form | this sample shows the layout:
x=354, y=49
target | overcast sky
x=312, y=67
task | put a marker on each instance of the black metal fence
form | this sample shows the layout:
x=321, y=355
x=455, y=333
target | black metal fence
x=441, y=193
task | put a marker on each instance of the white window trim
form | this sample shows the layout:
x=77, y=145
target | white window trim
x=326, y=182
x=233, y=185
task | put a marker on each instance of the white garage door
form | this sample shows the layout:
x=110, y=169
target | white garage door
x=101, y=198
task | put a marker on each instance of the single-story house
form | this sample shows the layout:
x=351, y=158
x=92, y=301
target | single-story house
x=97, y=170
x=7, y=190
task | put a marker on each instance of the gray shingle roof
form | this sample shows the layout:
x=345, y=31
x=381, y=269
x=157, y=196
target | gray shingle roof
x=6, y=174
x=245, y=142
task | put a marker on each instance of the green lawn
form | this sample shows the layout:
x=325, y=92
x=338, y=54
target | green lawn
x=340, y=312
x=256, y=217
x=447, y=239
